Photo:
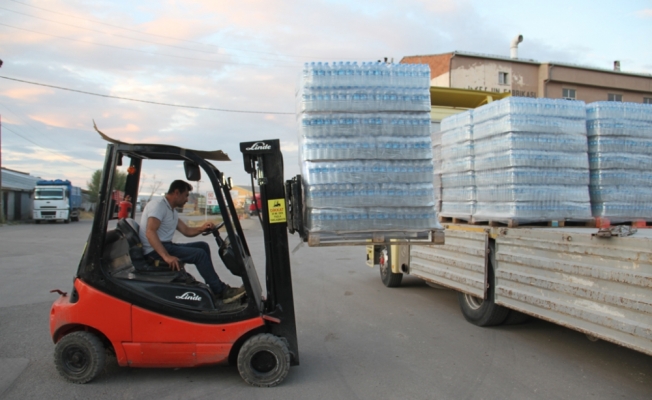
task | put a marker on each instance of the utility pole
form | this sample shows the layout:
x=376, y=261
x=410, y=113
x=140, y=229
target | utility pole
x=2, y=197
x=2, y=202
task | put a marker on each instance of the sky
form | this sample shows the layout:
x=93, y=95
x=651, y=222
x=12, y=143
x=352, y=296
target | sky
x=242, y=60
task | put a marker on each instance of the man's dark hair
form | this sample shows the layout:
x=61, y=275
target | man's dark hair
x=179, y=185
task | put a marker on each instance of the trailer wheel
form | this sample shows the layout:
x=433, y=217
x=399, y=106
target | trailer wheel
x=484, y=312
x=389, y=278
x=264, y=360
x=481, y=312
x=79, y=356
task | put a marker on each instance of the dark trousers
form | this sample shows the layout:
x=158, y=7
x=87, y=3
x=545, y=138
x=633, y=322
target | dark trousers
x=199, y=254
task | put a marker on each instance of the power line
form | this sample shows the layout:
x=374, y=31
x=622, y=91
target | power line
x=28, y=124
x=60, y=155
x=140, y=51
x=147, y=101
x=307, y=57
x=120, y=36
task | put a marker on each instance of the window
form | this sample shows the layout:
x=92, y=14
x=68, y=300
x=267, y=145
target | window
x=614, y=97
x=503, y=78
x=568, y=94
x=647, y=100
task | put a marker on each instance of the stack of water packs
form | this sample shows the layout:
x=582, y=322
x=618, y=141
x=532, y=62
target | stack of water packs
x=365, y=147
x=435, y=135
x=620, y=157
x=458, y=175
x=530, y=160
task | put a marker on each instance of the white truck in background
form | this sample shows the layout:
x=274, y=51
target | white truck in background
x=596, y=281
x=56, y=200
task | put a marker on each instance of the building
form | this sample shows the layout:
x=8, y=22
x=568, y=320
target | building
x=530, y=78
x=17, y=191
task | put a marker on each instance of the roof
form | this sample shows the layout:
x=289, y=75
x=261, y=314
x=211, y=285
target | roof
x=214, y=155
x=16, y=180
x=462, y=98
x=530, y=61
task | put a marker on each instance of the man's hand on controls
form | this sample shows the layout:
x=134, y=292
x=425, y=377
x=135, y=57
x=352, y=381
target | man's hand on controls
x=207, y=227
x=173, y=262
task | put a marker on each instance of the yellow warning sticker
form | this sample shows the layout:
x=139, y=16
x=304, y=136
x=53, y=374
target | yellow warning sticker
x=276, y=209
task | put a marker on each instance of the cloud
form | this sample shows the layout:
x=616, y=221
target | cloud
x=644, y=13
x=26, y=93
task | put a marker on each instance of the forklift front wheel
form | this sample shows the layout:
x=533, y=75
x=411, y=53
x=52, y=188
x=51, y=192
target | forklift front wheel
x=79, y=356
x=264, y=360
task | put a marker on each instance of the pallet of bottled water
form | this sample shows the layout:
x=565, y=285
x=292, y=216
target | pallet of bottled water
x=366, y=150
x=437, y=161
x=458, y=166
x=620, y=159
x=529, y=161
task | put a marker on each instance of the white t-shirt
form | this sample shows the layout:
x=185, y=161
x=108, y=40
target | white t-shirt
x=161, y=210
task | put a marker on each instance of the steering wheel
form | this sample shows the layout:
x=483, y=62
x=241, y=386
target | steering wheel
x=215, y=229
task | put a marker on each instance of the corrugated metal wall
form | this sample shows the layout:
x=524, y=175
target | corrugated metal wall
x=598, y=286
x=459, y=264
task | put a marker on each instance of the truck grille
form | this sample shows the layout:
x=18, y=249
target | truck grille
x=48, y=213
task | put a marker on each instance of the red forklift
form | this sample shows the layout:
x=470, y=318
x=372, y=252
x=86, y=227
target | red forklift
x=149, y=316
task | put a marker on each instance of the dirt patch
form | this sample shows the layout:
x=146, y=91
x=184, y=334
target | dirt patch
x=86, y=215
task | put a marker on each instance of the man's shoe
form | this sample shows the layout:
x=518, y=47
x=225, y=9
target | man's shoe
x=229, y=294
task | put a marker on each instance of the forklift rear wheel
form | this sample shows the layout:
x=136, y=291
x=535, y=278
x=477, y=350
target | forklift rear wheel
x=264, y=360
x=389, y=278
x=79, y=356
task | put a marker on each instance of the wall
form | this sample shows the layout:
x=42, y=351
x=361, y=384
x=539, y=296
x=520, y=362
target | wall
x=17, y=204
x=482, y=74
x=590, y=94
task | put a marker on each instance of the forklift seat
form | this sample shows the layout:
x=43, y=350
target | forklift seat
x=129, y=230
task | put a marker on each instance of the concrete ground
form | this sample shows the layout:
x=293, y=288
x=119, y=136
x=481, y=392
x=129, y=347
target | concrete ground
x=358, y=339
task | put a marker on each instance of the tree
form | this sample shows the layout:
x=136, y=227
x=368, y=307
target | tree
x=155, y=186
x=119, y=183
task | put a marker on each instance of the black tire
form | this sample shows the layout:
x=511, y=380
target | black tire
x=67, y=220
x=389, y=278
x=264, y=360
x=516, y=318
x=483, y=312
x=79, y=356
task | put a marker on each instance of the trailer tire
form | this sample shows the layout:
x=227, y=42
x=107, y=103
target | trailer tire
x=484, y=312
x=389, y=278
x=79, y=356
x=481, y=312
x=264, y=360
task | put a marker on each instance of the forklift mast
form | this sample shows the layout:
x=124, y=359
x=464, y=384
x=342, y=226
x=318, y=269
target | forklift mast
x=264, y=162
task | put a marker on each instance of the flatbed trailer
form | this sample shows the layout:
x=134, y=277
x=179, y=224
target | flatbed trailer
x=586, y=279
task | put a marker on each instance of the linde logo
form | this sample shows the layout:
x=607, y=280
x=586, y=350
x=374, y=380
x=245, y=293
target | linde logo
x=259, y=146
x=188, y=296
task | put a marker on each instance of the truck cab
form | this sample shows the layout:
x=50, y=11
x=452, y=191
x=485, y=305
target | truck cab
x=56, y=200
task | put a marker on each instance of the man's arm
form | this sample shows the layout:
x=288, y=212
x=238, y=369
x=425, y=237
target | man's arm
x=192, y=232
x=152, y=236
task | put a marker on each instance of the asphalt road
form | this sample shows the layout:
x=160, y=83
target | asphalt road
x=357, y=338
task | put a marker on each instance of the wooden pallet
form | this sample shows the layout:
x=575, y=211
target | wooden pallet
x=513, y=223
x=638, y=224
x=456, y=220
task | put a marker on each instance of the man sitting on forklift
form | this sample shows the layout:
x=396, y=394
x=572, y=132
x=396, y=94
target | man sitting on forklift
x=159, y=221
